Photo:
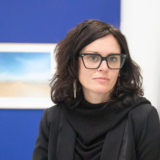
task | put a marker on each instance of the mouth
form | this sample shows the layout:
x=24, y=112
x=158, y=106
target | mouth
x=101, y=79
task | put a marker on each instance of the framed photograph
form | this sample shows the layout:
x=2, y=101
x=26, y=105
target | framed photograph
x=25, y=73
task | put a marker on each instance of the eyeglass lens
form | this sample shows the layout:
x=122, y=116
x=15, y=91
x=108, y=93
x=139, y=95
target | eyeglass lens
x=93, y=61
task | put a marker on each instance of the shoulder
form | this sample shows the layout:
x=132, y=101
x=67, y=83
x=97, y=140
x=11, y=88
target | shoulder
x=142, y=112
x=144, y=118
x=53, y=111
x=51, y=115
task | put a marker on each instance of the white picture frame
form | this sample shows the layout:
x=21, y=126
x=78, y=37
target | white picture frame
x=28, y=102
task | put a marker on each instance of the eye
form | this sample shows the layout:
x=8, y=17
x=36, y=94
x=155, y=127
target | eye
x=113, y=59
x=93, y=57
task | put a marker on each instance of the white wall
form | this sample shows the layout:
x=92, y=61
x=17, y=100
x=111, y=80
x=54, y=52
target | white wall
x=140, y=23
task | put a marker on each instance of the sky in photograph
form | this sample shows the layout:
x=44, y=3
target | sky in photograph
x=25, y=66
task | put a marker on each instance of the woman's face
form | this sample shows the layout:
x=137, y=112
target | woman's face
x=103, y=79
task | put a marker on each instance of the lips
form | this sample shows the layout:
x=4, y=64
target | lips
x=102, y=78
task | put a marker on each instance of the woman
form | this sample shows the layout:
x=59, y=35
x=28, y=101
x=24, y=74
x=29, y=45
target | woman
x=100, y=113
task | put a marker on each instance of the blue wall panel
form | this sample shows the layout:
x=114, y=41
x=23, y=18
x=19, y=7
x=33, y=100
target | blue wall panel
x=18, y=132
x=40, y=21
x=48, y=21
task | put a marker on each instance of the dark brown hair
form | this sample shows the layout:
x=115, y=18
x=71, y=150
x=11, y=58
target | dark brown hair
x=67, y=51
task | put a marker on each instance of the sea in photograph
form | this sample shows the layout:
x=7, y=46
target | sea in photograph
x=25, y=74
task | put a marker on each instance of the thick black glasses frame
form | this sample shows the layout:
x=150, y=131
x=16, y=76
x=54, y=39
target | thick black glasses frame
x=103, y=58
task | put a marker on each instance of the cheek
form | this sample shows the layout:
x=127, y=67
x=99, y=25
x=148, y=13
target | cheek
x=114, y=77
x=84, y=74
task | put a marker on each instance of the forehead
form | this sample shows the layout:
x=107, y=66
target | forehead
x=104, y=45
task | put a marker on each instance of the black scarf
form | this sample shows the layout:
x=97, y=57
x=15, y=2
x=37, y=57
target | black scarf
x=91, y=123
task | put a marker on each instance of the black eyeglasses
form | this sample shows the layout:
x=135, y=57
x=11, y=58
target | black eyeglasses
x=93, y=61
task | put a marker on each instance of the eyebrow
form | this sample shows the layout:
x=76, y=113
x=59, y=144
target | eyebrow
x=93, y=52
x=90, y=52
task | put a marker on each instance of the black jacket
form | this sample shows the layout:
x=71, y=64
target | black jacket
x=136, y=137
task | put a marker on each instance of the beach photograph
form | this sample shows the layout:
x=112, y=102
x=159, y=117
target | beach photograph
x=25, y=74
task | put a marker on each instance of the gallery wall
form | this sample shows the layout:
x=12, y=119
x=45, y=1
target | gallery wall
x=45, y=21
x=140, y=23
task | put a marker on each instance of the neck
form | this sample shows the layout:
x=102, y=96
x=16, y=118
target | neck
x=96, y=98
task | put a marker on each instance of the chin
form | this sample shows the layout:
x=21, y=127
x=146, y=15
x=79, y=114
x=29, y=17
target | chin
x=101, y=90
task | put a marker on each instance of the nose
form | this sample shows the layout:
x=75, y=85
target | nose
x=103, y=66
